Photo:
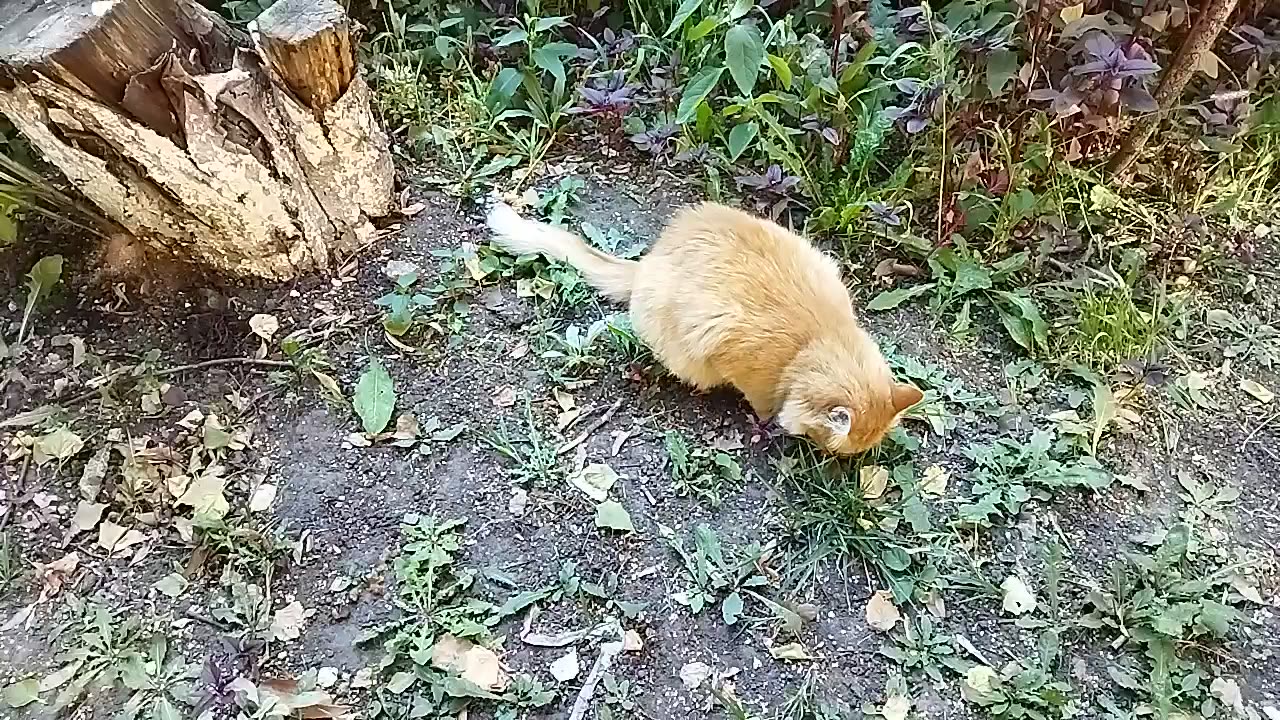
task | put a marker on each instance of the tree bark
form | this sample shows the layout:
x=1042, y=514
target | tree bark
x=1208, y=26
x=253, y=156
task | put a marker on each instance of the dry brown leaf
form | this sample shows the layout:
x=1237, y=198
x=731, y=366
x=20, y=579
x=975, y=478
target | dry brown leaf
x=873, y=479
x=882, y=614
x=896, y=708
x=1259, y=391
x=287, y=622
x=935, y=481
x=505, y=397
x=472, y=662
x=87, y=516
x=115, y=538
x=1018, y=598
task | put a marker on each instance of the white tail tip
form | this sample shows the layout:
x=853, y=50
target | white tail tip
x=503, y=219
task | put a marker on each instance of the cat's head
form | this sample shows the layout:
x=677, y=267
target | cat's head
x=844, y=423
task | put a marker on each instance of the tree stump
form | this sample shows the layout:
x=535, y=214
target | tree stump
x=252, y=155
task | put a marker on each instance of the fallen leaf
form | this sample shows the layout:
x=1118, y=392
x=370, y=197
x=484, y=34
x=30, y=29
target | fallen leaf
x=262, y=497
x=934, y=483
x=611, y=515
x=205, y=495
x=60, y=445
x=1018, y=598
x=1257, y=390
x=505, y=397
x=694, y=674
x=394, y=269
x=882, y=614
x=59, y=677
x=518, y=503
x=87, y=516
x=95, y=471
x=23, y=693
x=1228, y=691
x=115, y=538
x=327, y=677
x=474, y=663
x=594, y=480
x=264, y=326
x=1246, y=589
x=375, y=398
x=977, y=681
x=791, y=651
x=873, y=479
x=287, y=622
x=564, y=400
x=896, y=707
x=566, y=668
x=171, y=585
x=400, y=682
x=632, y=642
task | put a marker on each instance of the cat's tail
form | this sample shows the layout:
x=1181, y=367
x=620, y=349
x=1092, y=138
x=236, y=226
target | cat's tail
x=612, y=276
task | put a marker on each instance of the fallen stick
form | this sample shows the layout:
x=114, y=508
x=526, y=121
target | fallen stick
x=599, y=423
x=608, y=653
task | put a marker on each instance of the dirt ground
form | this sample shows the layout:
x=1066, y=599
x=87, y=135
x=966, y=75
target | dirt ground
x=339, y=507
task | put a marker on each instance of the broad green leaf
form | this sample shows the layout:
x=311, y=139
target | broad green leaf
x=740, y=8
x=502, y=89
x=1161, y=653
x=511, y=37
x=695, y=92
x=164, y=710
x=782, y=69
x=1174, y=620
x=1002, y=66
x=611, y=515
x=702, y=29
x=743, y=53
x=545, y=24
x=740, y=138
x=731, y=608
x=1037, y=330
x=43, y=276
x=687, y=8
x=890, y=299
x=1217, y=618
x=375, y=398
x=22, y=694
x=970, y=276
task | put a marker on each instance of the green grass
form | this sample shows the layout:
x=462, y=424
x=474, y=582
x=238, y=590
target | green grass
x=532, y=454
x=1107, y=323
x=8, y=569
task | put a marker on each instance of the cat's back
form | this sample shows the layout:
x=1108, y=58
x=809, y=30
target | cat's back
x=725, y=256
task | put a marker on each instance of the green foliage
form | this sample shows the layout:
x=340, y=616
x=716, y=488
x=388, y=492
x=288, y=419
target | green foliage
x=698, y=470
x=438, y=604
x=375, y=398
x=532, y=454
x=1173, y=607
x=718, y=574
x=1008, y=473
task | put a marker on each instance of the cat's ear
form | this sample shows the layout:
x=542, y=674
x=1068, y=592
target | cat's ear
x=904, y=396
x=839, y=420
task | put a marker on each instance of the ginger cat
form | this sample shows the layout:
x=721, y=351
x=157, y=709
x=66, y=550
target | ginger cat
x=727, y=298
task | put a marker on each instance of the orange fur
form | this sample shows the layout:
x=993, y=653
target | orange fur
x=725, y=298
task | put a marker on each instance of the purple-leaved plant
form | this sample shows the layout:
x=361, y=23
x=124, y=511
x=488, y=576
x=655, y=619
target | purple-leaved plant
x=609, y=101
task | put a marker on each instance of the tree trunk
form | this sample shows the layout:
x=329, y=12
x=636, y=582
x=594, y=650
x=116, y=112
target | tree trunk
x=1204, y=33
x=255, y=157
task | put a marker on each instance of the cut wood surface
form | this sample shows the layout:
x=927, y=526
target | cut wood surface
x=170, y=121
